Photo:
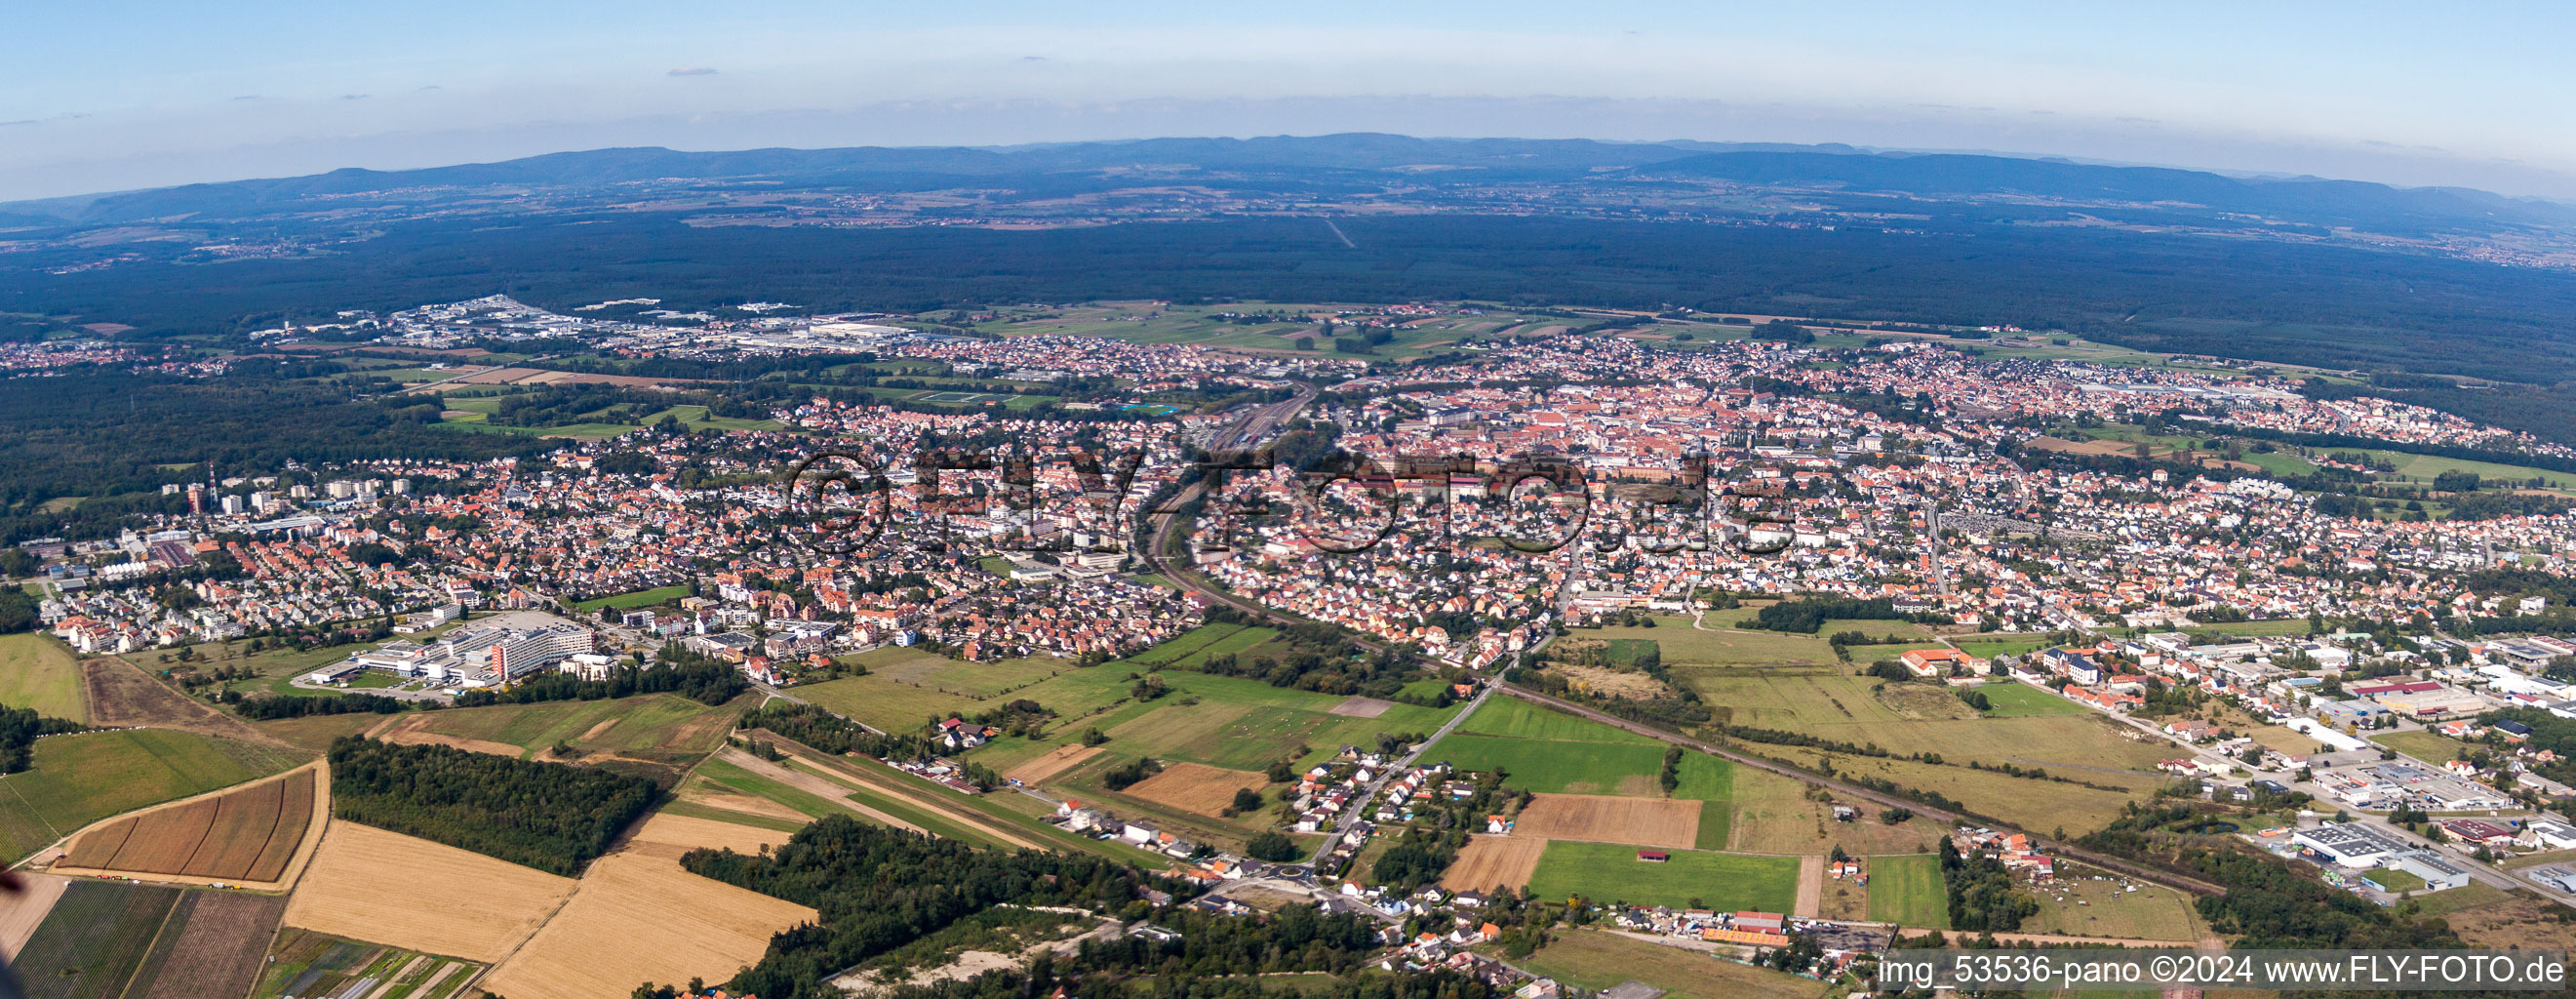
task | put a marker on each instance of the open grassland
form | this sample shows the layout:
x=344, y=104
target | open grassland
x=1237, y=723
x=1773, y=814
x=40, y=673
x=246, y=834
x=1056, y=761
x=2019, y=801
x=305, y=963
x=923, y=668
x=661, y=730
x=639, y=917
x=80, y=779
x=1190, y=650
x=212, y=947
x=1663, y=822
x=1907, y=718
x=1907, y=891
x=2001, y=644
x=1684, y=645
x=2021, y=700
x=369, y=884
x=2424, y=745
x=2084, y=902
x=1611, y=872
x=638, y=598
x=1511, y=716
x=1490, y=862
x=94, y=940
x=2434, y=905
x=1597, y=960
x=315, y=732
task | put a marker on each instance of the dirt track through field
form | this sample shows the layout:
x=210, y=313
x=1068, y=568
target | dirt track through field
x=414, y=731
x=1664, y=822
x=919, y=794
x=809, y=783
x=1056, y=761
x=1491, y=862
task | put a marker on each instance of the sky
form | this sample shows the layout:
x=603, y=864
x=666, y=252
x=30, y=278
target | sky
x=112, y=95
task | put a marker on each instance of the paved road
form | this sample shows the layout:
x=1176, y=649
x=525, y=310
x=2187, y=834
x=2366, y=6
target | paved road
x=1359, y=803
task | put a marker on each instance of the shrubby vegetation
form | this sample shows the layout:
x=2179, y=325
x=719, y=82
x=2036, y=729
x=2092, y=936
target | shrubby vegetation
x=834, y=734
x=548, y=816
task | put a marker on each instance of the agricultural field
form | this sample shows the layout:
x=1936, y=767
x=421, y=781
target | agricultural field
x=1190, y=650
x=314, y=733
x=1611, y=872
x=722, y=791
x=1907, y=891
x=1056, y=761
x=246, y=834
x=2082, y=902
x=640, y=917
x=1236, y=723
x=1511, y=716
x=368, y=884
x=2025, y=802
x=211, y=947
x=121, y=695
x=1663, y=822
x=304, y=963
x=1490, y=862
x=1196, y=787
x=1555, y=767
x=94, y=940
x=656, y=732
x=1684, y=645
x=1595, y=960
x=40, y=673
x=923, y=668
x=80, y=779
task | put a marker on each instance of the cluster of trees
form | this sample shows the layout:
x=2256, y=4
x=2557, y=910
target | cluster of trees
x=2269, y=902
x=548, y=816
x=1983, y=897
x=17, y=610
x=352, y=703
x=1127, y=775
x=1808, y=615
x=19, y=730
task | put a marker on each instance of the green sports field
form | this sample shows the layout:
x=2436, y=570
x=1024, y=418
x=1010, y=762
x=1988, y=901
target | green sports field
x=2021, y=700
x=638, y=598
x=1611, y=872
x=1908, y=891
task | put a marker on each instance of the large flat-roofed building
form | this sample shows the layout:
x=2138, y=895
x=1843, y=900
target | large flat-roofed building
x=2439, y=873
x=2346, y=845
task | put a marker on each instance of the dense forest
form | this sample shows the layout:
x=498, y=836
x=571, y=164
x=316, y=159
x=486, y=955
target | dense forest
x=19, y=730
x=102, y=434
x=879, y=889
x=2272, y=301
x=548, y=816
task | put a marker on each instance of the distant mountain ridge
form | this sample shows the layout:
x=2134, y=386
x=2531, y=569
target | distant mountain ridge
x=1923, y=176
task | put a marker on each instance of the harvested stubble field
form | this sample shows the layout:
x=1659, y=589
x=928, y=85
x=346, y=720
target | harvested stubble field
x=121, y=696
x=1490, y=862
x=1195, y=787
x=369, y=884
x=246, y=834
x=1056, y=761
x=1664, y=822
x=639, y=917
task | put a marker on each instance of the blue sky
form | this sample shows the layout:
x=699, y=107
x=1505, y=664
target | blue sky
x=114, y=95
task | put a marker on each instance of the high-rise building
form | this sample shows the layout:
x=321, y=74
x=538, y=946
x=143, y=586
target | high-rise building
x=196, y=499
